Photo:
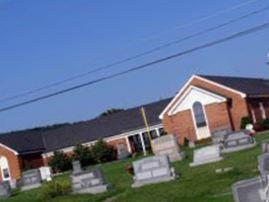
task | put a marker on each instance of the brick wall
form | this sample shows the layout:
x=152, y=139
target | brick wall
x=181, y=124
x=14, y=162
x=218, y=116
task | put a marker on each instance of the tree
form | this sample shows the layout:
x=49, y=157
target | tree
x=60, y=162
x=111, y=111
x=102, y=152
x=83, y=154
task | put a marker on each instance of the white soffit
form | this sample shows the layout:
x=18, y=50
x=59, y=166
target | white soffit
x=192, y=95
x=243, y=95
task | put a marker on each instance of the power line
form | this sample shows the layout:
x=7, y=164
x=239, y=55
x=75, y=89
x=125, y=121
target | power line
x=205, y=18
x=150, y=51
x=206, y=45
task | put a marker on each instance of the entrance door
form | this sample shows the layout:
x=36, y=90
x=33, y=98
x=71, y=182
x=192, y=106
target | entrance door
x=201, y=125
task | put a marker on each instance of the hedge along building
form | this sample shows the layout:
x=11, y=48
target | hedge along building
x=28, y=149
x=206, y=104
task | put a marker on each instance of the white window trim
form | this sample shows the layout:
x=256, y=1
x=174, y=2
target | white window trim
x=243, y=95
x=253, y=116
x=7, y=167
x=262, y=110
x=194, y=121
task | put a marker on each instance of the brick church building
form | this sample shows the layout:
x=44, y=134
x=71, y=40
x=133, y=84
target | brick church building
x=205, y=104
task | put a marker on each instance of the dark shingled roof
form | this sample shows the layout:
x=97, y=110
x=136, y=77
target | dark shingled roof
x=249, y=86
x=51, y=139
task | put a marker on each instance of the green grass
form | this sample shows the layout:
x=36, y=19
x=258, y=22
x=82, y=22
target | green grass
x=199, y=184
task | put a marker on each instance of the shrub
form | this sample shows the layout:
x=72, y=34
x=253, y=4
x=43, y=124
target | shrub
x=60, y=162
x=102, y=152
x=129, y=169
x=186, y=142
x=54, y=189
x=265, y=124
x=83, y=154
x=204, y=141
x=245, y=121
x=258, y=126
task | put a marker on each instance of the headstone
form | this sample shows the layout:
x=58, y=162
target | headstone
x=13, y=183
x=45, y=173
x=255, y=189
x=5, y=189
x=76, y=167
x=237, y=141
x=122, y=151
x=167, y=145
x=152, y=170
x=264, y=165
x=248, y=190
x=31, y=179
x=265, y=146
x=91, y=182
x=219, y=135
x=191, y=144
x=208, y=154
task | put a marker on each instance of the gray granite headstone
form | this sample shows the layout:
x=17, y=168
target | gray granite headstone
x=248, y=191
x=255, y=189
x=237, y=141
x=265, y=146
x=264, y=165
x=31, y=179
x=5, y=189
x=167, y=145
x=208, y=154
x=122, y=151
x=219, y=135
x=91, y=182
x=152, y=170
x=76, y=167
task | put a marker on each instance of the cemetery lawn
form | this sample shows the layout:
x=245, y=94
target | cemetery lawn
x=199, y=184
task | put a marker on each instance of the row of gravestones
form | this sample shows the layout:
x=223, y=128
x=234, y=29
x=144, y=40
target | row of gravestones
x=148, y=170
x=225, y=143
x=157, y=168
x=30, y=179
x=255, y=189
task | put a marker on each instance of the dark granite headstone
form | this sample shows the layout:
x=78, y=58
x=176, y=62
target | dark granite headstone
x=237, y=141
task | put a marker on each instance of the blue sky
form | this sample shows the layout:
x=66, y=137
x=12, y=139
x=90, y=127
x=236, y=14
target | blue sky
x=47, y=41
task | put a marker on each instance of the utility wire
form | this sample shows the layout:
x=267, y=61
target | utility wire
x=202, y=19
x=143, y=66
x=150, y=51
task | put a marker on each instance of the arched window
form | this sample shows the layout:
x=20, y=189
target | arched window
x=4, y=168
x=199, y=114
